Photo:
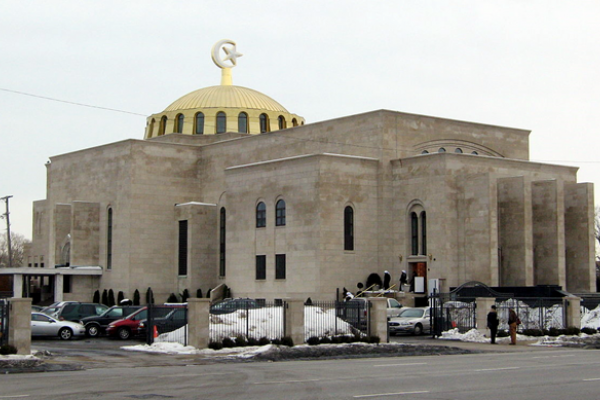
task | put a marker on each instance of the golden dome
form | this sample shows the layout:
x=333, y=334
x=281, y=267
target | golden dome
x=226, y=96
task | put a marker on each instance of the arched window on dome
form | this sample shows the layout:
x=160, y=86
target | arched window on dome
x=163, y=125
x=243, y=122
x=280, y=213
x=151, y=128
x=264, y=123
x=221, y=122
x=199, y=121
x=294, y=122
x=261, y=215
x=424, y=152
x=179, y=123
x=282, y=122
x=458, y=150
x=441, y=150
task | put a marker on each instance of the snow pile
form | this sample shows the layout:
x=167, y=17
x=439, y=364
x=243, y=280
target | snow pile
x=590, y=318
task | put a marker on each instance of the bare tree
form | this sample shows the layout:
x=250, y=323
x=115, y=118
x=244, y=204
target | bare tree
x=18, y=245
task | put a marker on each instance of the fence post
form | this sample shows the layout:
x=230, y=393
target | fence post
x=294, y=320
x=572, y=312
x=198, y=322
x=19, y=325
x=482, y=308
x=378, y=320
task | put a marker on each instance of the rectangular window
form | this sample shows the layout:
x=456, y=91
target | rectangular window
x=222, y=235
x=109, y=239
x=279, y=266
x=183, y=247
x=261, y=267
x=67, y=283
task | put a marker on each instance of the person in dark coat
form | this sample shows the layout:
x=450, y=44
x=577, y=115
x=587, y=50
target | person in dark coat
x=492, y=323
x=403, y=279
x=386, y=280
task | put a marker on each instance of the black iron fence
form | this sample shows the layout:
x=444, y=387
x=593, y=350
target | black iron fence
x=166, y=323
x=590, y=310
x=248, y=321
x=333, y=318
x=4, y=310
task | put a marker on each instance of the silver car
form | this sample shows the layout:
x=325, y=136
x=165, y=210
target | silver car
x=413, y=320
x=45, y=325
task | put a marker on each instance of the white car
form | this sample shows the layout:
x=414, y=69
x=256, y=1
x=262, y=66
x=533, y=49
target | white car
x=44, y=325
x=413, y=320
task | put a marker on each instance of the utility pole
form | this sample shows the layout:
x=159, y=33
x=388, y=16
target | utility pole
x=6, y=215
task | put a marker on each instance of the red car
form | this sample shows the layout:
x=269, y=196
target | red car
x=127, y=327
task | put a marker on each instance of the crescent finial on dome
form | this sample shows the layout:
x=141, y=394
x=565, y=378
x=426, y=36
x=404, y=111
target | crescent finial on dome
x=231, y=55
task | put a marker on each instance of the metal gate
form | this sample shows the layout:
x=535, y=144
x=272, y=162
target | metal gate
x=4, y=310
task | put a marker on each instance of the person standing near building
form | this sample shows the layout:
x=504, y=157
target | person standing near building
x=513, y=321
x=386, y=280
x=403, y=280
x=492, y=323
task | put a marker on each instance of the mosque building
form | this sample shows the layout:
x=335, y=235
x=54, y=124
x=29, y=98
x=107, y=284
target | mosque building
x=229, y=187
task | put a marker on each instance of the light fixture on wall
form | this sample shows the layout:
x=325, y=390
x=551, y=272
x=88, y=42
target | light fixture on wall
x=430, y=256
x=400, y=257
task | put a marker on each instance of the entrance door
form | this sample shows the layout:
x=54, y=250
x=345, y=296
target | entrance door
x=419, y=273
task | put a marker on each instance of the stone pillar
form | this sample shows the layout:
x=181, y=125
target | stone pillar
x=198, y=323
x=19, y=325
x=294, y=320
x=58, y=287
x=572, y=314
x=378, y=318
x=483, y=306
x=17, y=286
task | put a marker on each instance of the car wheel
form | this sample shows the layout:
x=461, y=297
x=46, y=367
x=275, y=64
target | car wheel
x=418, y=329
x=124, y=333
x=92, y=330
x=65, y=334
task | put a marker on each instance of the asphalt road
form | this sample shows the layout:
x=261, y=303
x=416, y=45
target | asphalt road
x=525, y=375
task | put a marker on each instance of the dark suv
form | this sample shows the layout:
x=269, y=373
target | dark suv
x=96, y=325
x=75, y=311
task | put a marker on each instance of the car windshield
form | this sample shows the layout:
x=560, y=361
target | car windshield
x=412, y=313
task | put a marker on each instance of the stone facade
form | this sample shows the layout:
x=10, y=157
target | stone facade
x=476, y=210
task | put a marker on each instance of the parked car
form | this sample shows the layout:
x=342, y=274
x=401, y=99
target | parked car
x=75, y=311
x=413, y=320
x=37, y=308
x=128, y=327
x=95, y=325
x=174, y=320
x=231, y=305
x=45, y=325
x=357, y=308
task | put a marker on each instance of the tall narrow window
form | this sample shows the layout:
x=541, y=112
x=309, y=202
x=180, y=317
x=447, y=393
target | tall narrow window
x=282, y=123
x=261, y=267
x=151, y=128
x=414, y=233
x=279, y=266
x=109, y=238
x=199, y=124
x=179, y=123
x=261, y=215
x=280, y=213
x=348, y=228
x=222, y=220
x=264, y=123
x=294, y=122
x=163, y=125
x=221, y=122
x=423, y=232
x=243, y=122
x=183, y=247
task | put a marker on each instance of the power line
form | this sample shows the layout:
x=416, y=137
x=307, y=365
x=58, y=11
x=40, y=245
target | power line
x=69, y=102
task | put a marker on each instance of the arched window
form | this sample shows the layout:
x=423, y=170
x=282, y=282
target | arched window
x=151, y=128
x=441, y=150
x=199, y=124
x=474, y=152
x=264, y=123
x=414, y=234
x=243, y=122
x=294, y=122
x=163, y=125
x=221, y=122
x=179, y=123
x=458, y=150
x=423, y=232
x=109, y=238
x=222, y=232
x=261, y=215
x=282, y=123
x=348, y=228
x=280, y=213
x=424, y=152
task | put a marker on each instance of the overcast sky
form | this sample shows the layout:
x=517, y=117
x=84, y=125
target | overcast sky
x=524, y=64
